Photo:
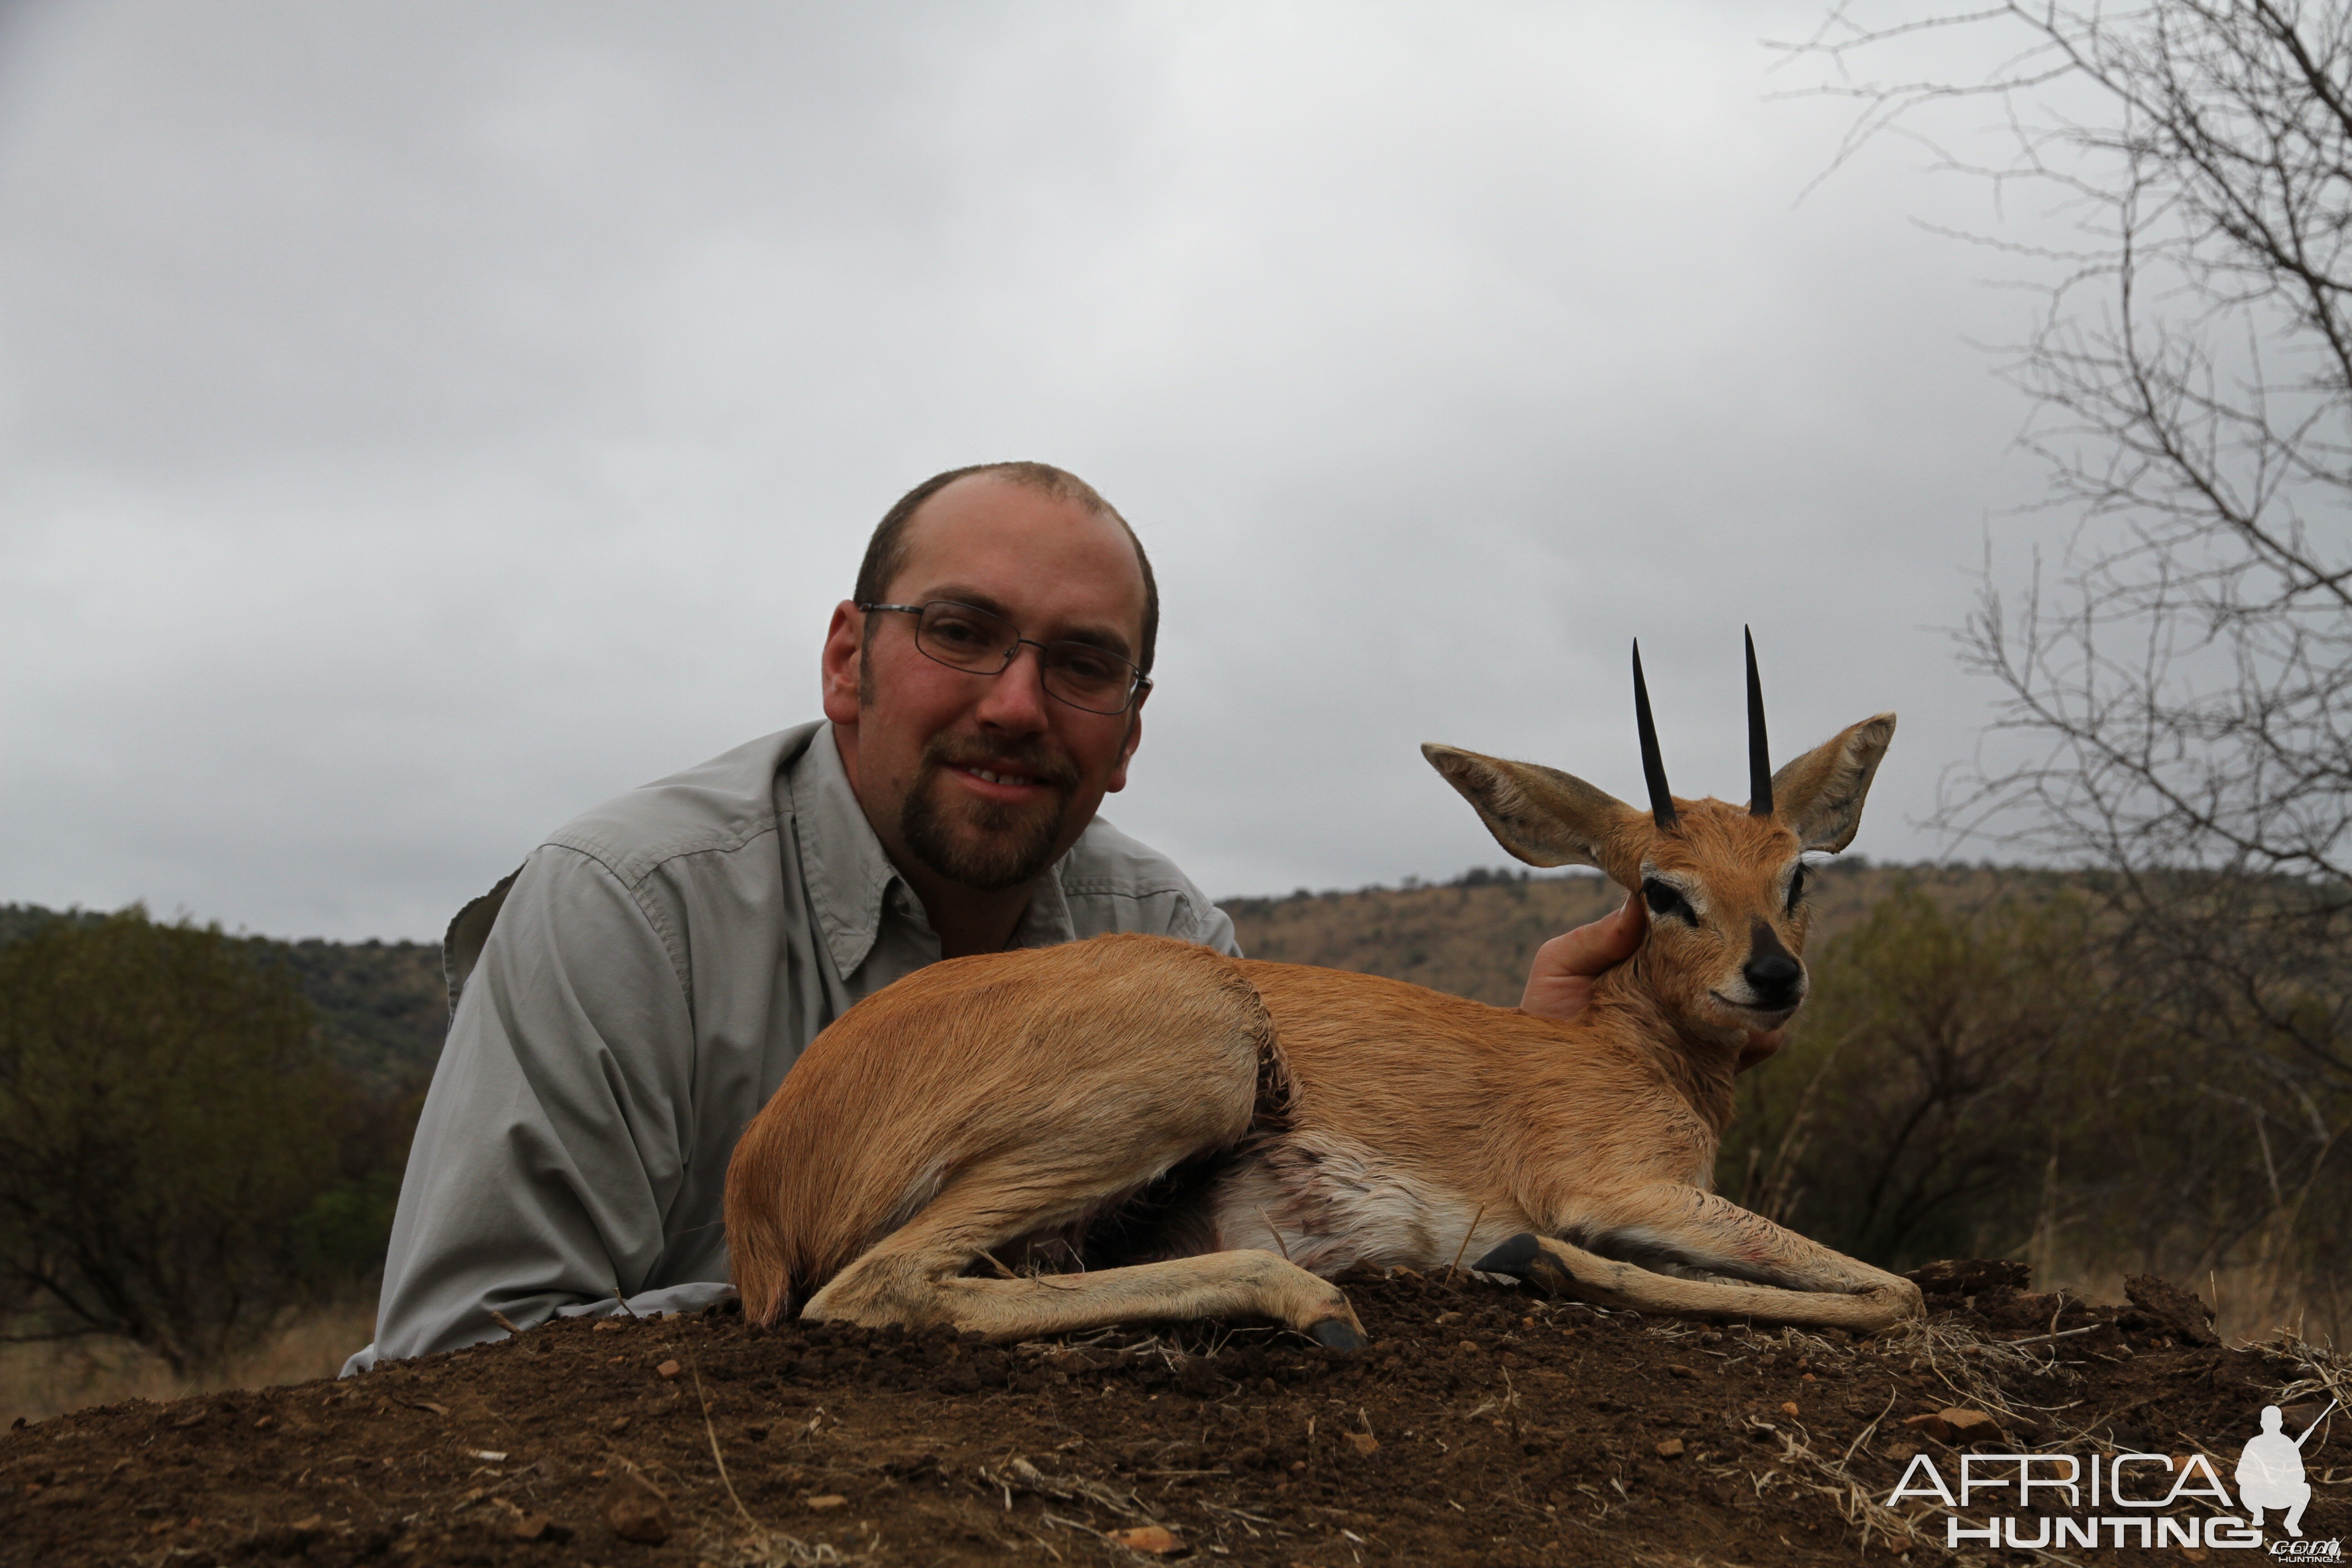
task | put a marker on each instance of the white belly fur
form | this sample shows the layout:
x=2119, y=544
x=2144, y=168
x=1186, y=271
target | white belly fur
x=1326, y=1205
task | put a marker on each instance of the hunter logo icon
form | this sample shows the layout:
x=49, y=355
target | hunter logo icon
x=2270, y=1470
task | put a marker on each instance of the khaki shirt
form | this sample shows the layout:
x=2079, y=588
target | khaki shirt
x=632, y=995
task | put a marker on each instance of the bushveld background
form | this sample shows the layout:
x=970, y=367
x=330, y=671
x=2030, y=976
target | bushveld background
x=201, y=1136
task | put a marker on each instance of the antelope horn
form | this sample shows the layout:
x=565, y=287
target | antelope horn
x=1759, y=751
x=1654, y=767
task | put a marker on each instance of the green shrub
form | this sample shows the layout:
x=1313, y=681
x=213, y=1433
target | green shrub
x=1937, y=1073
x=169, y=1158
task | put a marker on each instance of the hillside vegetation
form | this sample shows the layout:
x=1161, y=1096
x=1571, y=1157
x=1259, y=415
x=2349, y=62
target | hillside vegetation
x=1475, y=935
x=201, y=1135
x=382, y=1006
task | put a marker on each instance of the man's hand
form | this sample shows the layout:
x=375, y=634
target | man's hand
x=1759, y=1047
x=1559, y=982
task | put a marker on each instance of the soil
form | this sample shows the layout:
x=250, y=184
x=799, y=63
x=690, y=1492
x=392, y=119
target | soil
x=1483, y=1424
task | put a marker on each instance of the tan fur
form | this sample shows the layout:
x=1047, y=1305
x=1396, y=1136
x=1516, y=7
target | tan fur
x=986, y=1111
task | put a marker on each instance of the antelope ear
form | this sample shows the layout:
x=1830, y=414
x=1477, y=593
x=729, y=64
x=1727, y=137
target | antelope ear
x=1547, y=817
x=1819, y=794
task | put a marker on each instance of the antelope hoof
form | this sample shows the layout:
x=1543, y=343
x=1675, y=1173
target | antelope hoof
x=1524, y=1257
x=1336, y=1334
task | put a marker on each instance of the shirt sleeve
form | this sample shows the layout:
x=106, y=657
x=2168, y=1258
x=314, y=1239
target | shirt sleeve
x=1215, y=929
x=553, y=1136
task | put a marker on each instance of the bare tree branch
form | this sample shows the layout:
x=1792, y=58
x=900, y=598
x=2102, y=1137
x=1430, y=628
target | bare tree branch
x=2174, y=709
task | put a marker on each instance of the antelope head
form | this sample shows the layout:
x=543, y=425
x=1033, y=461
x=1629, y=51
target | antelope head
x=1724, y=884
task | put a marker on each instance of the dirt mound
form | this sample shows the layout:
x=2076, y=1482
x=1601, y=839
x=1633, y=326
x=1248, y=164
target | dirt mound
x=1483, y=1426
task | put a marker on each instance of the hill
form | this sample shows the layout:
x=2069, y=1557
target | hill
x=382, y=1006
x=1475, y=936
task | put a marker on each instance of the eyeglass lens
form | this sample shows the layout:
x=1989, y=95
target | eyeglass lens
x=1079, y=673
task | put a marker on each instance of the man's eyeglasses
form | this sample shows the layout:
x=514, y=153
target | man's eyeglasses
x=1093, y=680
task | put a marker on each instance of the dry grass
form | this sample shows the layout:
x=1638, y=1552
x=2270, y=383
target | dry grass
x=37, y=1381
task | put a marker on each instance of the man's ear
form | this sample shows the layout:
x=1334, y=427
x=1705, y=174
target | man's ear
x=837, y=665
x=1127, y=747
x=1547, y=817
x=1819, y=794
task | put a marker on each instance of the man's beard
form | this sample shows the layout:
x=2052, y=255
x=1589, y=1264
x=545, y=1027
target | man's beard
x=1001, y=846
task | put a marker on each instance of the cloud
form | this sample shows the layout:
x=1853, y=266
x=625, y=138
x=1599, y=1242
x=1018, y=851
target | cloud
x=418, y=425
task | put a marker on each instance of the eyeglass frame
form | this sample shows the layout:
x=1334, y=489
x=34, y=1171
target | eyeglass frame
x=1142, y=682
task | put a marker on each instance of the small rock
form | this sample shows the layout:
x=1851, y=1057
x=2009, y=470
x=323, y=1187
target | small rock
x=831, y=1499
x=1678, y=1370
x=1671, y=1448
x=669, y=1369
x=1789, y=1408
x=1930, y=1426
x=1154, y=1539
x=1363, y=1442
x=539, y=1527
x=638, y=1509
x=1969, y=1425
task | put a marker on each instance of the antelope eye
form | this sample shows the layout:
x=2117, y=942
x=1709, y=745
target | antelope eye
x=1664, y=899
x=1797, y=888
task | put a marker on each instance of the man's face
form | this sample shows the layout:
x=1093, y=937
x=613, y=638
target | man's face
x=983, y=779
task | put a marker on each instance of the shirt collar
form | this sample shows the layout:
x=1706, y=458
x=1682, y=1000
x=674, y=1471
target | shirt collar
x=852, y=884
x=1047, y=921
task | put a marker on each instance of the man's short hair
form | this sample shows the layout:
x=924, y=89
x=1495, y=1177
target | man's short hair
x=886, y=552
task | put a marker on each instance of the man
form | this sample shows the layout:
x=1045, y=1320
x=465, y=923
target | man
x=629, y=998
x=2270, y=1472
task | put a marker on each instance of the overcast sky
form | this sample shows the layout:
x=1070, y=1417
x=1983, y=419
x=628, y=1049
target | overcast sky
x=420, y=423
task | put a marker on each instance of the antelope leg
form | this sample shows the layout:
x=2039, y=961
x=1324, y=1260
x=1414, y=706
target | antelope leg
x=1795, y=1280
x=916, y=1277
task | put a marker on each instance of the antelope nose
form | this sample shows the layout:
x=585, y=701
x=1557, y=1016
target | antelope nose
x=1772, y=975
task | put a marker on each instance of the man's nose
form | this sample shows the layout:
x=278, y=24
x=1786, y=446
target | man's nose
x=1016, y=699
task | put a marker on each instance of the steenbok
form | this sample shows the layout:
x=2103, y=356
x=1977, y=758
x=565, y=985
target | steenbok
x=1134, y=1127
